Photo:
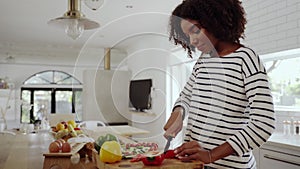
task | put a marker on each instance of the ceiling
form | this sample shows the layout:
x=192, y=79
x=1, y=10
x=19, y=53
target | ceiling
x=25, y=35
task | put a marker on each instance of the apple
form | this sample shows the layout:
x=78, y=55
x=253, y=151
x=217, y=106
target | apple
x=66, y=147
x=60, y=142
x=60, y=126
x=54, y=147
x=65, y=124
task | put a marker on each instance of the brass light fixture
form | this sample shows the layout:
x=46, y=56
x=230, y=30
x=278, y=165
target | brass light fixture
x=73, y=21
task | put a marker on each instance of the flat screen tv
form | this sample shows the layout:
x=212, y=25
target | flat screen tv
x=140, y=94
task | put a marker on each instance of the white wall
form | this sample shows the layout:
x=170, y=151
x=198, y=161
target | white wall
x=105, y=95
x=148, y=59
x=19, y=71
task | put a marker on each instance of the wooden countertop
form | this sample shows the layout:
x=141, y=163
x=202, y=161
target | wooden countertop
x=25, y=151
x=167, y=164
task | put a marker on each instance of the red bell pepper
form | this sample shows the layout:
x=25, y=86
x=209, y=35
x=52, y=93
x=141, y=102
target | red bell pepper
x=154, y=160
x=170, y=154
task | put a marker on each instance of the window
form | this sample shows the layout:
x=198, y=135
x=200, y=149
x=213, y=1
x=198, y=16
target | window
x=50, y=92
x=284, y=75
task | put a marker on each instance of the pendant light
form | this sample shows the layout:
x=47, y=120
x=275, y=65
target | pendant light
x=73, y=21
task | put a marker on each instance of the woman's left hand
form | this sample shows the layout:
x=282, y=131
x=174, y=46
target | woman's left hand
x=192, y=151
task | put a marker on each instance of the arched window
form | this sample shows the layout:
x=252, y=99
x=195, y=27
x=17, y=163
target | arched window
x=50, y=92
x=52, y=77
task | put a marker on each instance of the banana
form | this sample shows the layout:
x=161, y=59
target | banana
x=61, y=134
x=72, y=131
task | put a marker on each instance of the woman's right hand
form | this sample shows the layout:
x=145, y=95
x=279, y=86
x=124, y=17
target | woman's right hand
x=174, y=123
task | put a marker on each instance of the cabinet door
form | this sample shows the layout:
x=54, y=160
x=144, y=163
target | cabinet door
x=278, y=160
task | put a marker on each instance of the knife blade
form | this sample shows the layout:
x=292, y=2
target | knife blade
x=169, y=139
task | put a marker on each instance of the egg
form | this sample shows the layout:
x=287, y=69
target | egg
x=54, y=147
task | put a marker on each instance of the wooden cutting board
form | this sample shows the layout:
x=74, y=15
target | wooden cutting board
x=167, y=164
x=75, y=148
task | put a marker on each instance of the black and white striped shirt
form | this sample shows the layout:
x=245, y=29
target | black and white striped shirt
x=228, y=99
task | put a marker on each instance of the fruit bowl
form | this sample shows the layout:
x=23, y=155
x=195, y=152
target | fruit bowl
x=65, y=130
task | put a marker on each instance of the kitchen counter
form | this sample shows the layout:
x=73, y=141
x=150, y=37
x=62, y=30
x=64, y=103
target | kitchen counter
x=282, y=141
x=167, y=164
x=25, y=151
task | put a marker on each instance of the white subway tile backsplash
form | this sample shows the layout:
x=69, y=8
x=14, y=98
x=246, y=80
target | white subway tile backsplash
x=265, y=33
x=277, y=6
x=287, y=42
x=293, y=32
x=269, y=16
x=280, y=20
x=287, y=27
x=249, y=3
x=287, y=10
x=292, y=2
x=273, y=25
x=266, y=3
x=293, y=17
x=278, y=36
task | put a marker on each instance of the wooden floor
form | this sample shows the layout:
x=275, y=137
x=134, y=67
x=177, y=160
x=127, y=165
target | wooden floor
x=23, y=151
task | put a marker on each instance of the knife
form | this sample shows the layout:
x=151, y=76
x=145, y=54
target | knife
x=169, y=139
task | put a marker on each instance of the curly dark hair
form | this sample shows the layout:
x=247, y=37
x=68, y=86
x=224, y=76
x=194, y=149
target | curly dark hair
x=225, y=19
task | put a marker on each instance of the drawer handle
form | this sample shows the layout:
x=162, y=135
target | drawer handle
x=282, y=160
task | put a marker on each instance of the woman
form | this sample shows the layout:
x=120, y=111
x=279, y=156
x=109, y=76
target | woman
x=227, y=97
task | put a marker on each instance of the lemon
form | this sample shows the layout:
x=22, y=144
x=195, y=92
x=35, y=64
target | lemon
x=110, y=152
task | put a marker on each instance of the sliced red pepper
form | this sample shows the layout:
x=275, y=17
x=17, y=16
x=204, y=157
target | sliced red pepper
x=137, y=158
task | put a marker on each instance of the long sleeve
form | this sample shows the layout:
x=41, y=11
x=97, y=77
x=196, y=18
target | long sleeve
x=261, y=111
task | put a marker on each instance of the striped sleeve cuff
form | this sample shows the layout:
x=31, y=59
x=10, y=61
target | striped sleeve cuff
x=184, y=106
x=234, y=143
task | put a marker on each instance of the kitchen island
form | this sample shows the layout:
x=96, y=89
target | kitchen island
x=25, y=151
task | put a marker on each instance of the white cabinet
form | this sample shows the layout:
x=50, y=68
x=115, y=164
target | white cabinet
x=279, y=157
